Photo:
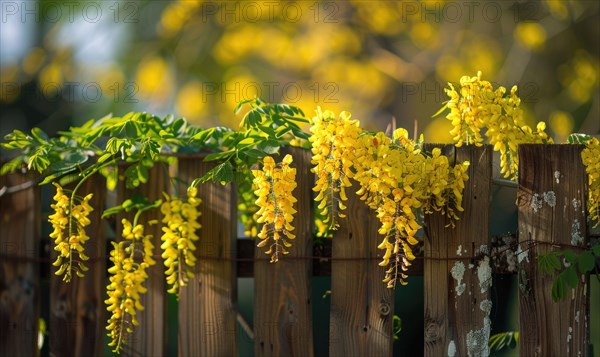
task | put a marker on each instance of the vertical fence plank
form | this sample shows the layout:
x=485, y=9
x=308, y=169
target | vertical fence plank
x=457, y=304
x=552, y=215
x=207, y=315
x=362, y=307
x=282, y=306
x=19, y=280
x=148, y=339
x=77, y=310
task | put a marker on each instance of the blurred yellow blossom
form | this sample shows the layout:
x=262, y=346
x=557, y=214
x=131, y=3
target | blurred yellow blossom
x=153, y=77
x=191, y=102
x=532, y=35
x=561, y=123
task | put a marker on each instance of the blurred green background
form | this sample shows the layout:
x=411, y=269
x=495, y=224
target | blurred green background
x=62, y=63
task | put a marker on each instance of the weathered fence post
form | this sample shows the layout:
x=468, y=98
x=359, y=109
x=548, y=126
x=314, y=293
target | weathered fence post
x=207, y=315
x=19, y=278
x=148, y=339
x=457, y=271
x=362, y=307
x=552, y=216
x=282, y=306
x=77, y=309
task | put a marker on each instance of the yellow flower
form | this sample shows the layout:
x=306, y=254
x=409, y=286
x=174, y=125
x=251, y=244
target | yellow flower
x=274, y=185
x=333, y=146
x=478, y=107
x=396, y=179
x=131, y=257
x=179, y=234
x=589, y=156
x=68, y=222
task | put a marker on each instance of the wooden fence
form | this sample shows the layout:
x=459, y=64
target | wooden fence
x=456, y=264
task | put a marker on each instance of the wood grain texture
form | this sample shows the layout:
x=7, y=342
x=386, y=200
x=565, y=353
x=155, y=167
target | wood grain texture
x=453, y=316
x=19, y=280
x=207, y=315
x=282, y=297
x=552, y=201
x=148, y=339
x=77, y=309
x=362, y=307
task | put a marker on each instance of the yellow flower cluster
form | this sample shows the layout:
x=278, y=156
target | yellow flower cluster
x=396, y=179
x=590, y=156
x=274, y=186
x=131, y=257
x=181, y=223
x=69, y=221
x=333, y=146
x=477, y=106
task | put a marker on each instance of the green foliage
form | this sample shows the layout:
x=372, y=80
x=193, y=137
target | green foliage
x=138, y=203
x=397, y=327
x=577, y=138
x=141, y=140
x=574, y=265
x=504, y=339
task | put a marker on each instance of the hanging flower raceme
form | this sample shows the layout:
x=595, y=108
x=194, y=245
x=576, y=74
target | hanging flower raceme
x=477, y=106
x=589, y=156
x=333, y=142
x=69, y=220
x=274, y=186
x=180, y=226
x=396, y=180
x=131, y=258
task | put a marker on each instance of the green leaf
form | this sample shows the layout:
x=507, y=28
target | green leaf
x=503, y=339
x=178, y=126
x=12, y=166
x=577, y=138
x=204, y=135
x=220, y=173
x=38, y=163
x=110, y=211
x=131, y=130
x=553, y=261
x=301, y=134
x=104, y=157
x=570, y=256
x=63, y=166
x=270, y=146
x=253, y=154
x=596, y=250
x=220, y=155
x=48, y=179
x=586, y=262
x=247, y=141
x=254, y=118
x=543, y=264
x=571, y=276
x=441, y=110
x=559, y=289
x=39, y=135
x=239, y=106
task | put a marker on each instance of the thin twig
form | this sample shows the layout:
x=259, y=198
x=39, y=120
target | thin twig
x=245, y=325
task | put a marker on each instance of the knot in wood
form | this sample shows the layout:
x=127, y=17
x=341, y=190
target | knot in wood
x=384, y=309
x=432, y=332
x=61, y=308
